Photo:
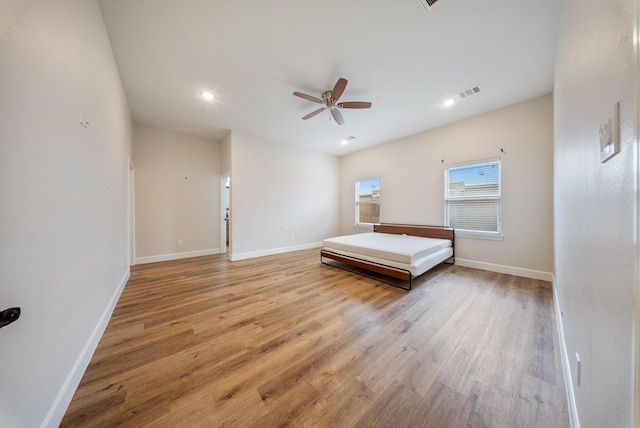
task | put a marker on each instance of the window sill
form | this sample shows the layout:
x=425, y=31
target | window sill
x=473, y=235
x=368, y=226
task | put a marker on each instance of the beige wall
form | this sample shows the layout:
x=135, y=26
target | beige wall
x=283, y=198
x=63, y=221
x=412, y=186
x=596, y=207
x=177, y=194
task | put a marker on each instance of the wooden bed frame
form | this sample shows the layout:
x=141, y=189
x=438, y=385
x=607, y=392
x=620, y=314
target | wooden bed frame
x=394, y=272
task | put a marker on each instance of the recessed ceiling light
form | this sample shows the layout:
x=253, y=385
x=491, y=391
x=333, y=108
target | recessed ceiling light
x=207, y=95
x=449, y=102
x=346, y=140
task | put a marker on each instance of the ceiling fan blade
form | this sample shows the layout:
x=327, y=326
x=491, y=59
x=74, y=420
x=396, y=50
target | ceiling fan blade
x=337, y=116
x=308, y=97
x=354, y=104
x=338, y=89
x=313, y=113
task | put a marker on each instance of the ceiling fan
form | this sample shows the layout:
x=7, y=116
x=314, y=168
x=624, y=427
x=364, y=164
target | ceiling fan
x=330, y=102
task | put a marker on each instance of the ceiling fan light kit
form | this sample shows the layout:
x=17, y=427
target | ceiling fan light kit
x=330, y=102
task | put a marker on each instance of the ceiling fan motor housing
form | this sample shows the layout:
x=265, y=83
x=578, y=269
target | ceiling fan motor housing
x=327, y=96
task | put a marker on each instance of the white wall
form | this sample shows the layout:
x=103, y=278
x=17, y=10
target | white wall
x=225, y=170
x=63, y=221
x=177, y=195
x=595, y=207
x=225, y=155
x=412, y=186
x=282, y=198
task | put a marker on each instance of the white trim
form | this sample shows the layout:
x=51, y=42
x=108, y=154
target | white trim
x=176, y=256
x=636, y=119
x=131, y=213
x=472, y=162
x=366, y=226
x=449, y=200
x=566, y=366
x=223, y=214
x=511, y=270
x=273, y=251
x=223, y=223
x=358, y=203
x=63, y=399
x=635, y=405
x=477, y=234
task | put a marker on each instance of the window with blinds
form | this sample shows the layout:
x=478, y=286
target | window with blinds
x=472, y=198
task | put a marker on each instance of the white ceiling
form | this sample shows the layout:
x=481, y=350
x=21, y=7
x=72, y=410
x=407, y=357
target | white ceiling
x=254, y=54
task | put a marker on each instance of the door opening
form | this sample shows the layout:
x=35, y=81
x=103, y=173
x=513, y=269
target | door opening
x=225, y=230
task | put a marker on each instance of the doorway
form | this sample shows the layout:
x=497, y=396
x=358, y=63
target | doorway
x=225, y=225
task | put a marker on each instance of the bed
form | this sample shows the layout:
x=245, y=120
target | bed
x=402, y=252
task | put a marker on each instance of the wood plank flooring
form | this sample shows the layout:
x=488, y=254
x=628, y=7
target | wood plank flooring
x=286, y=341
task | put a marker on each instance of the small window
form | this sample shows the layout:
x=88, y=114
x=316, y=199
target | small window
x=472, y=198
x=368, y=201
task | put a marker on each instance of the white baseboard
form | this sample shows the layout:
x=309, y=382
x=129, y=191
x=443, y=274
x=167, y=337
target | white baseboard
x=566, y=366
x=270, y=252
x=527, y=273
x=61, y=403
x=176, y=256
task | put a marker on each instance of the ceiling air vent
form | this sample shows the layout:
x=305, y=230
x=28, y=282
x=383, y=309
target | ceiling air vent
x=468, y=92
x=428, y=4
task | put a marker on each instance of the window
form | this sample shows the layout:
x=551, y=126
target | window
x=368, y=201
x=472, y=198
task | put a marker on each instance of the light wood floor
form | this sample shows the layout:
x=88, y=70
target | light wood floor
x=285, y=341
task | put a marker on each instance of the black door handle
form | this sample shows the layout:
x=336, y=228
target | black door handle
x=8, y=316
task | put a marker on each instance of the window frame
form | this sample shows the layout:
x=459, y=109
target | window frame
x=474, y=233
x=358, y=223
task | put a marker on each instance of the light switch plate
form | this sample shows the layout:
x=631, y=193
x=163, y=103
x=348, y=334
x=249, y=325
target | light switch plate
x=83, y=117
x=610, y=134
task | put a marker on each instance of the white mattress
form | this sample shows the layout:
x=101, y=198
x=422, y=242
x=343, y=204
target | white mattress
x=405, y=249
x=417, y=268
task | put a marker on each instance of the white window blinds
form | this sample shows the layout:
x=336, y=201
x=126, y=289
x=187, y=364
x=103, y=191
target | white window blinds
x=472, y=198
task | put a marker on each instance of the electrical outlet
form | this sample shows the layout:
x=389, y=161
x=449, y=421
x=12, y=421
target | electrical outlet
x=180, y=242
x=293, y=237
